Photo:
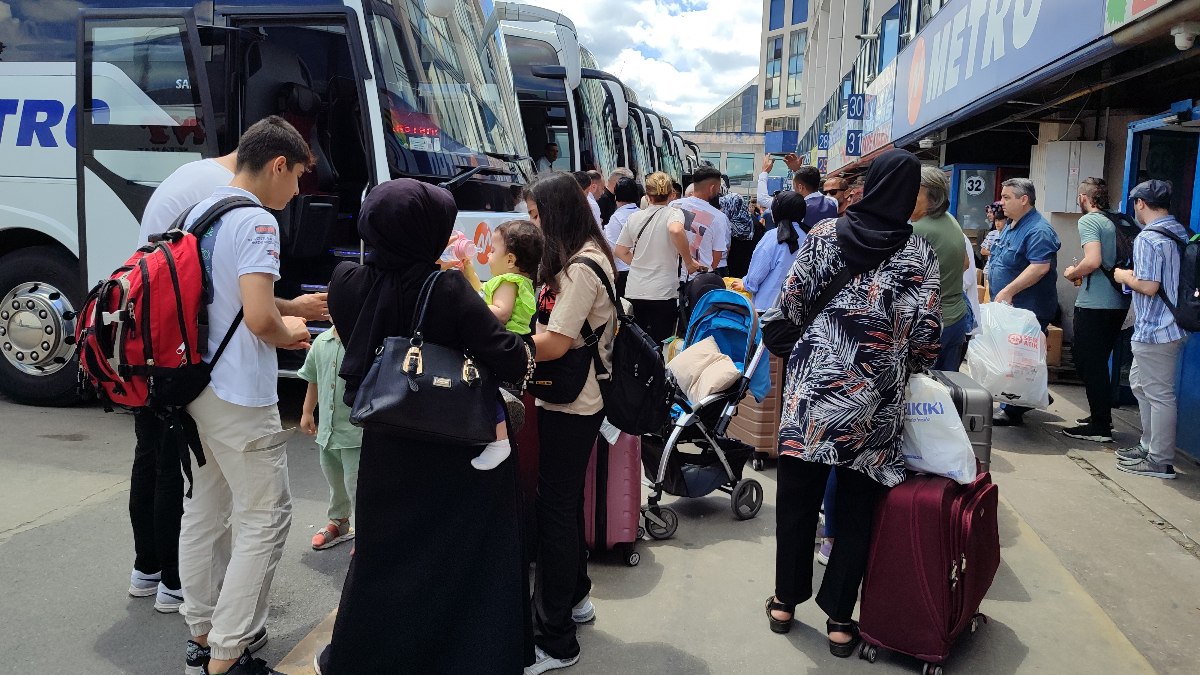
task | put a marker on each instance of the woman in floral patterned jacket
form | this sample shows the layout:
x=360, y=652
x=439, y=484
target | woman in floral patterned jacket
x=844, y=385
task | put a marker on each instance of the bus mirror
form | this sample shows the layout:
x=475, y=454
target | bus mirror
x=617, y=92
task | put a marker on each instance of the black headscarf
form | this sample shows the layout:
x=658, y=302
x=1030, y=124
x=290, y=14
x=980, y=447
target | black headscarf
x=877, y=226
x=788, y=210
x=406, y=223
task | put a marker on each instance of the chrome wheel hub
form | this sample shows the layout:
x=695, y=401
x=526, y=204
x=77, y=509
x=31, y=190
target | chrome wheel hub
x=37, y=328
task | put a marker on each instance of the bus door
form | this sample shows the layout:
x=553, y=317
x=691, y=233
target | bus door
x=142, y=110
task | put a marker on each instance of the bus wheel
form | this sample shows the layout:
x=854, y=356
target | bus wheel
x=39, y=295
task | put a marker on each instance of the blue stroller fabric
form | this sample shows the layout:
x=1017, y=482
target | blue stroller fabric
x=729, y=318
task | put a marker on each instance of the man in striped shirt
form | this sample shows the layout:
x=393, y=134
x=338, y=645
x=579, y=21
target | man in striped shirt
x=1157, y=338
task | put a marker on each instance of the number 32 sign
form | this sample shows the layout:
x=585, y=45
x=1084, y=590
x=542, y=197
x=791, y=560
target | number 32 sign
x=975, y=185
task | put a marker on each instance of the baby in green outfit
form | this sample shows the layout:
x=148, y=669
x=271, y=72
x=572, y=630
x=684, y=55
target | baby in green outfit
x=516, y=253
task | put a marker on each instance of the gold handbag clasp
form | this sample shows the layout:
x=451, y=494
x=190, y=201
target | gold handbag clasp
x=414, y=363
x=470, y=373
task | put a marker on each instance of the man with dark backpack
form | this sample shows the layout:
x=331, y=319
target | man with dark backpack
x=1157, y=335
x=1101, y=307
x=237, y=519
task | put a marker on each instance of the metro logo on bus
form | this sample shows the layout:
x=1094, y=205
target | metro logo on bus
x=483, y=243
x=36, y=119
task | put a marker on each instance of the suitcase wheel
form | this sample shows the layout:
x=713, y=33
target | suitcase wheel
x=641, y=533
x=747, y=499
x=868, y=652
x=932, y=669
x=632, y=557
x=661, y=522
x=757, y=464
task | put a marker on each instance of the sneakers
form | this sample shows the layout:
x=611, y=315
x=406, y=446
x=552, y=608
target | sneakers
x=248, y=665
x=1090, y=432
x=143, y=585
x=542, y=663
x=168, y=600
x=584, y=612
x=196, y=658
x=1084, y=420
x=825, y=552
x=1146, y=467
x=1132, y=455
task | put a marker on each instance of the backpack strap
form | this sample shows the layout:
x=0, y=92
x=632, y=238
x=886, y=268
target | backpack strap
x=591, y=336
x=1181, y=244
x=199, y=229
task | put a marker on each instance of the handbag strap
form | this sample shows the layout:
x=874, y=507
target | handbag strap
x=423, y=299
x=835, y=286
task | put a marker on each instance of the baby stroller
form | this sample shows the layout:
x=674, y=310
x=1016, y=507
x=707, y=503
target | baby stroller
x=730, y=319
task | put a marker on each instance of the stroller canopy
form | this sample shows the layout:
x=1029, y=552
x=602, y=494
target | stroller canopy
x=730, y=319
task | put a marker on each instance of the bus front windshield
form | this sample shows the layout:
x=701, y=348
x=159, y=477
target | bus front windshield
x=448, y=88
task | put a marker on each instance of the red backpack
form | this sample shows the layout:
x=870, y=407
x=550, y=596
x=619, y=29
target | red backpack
x=143, y=331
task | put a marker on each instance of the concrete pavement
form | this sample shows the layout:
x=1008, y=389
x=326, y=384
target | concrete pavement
x=1096, y=575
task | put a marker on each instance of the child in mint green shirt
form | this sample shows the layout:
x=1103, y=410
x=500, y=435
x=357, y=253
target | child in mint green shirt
x=340, y=442
x=516, y=253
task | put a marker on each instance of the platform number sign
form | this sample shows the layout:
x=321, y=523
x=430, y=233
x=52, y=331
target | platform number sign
x=856, y=106
x=823, y=142
x=823, y=164
x=853, y=143
x=975, y=185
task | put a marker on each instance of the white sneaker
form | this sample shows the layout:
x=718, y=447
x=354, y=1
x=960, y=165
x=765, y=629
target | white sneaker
x=167, y=600
x=143, y=585
x=543, y=662
x=584, y=612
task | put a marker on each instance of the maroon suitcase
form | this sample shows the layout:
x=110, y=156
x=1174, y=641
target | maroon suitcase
x=934, y=554
x=612, y=497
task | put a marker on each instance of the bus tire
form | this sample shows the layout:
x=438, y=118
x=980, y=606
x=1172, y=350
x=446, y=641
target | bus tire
x=48, y=268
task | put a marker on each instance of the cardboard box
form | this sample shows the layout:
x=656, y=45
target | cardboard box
x=1054, y=345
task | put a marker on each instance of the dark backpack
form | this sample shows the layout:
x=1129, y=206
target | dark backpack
x=1187, y=307
x=1127, y=230
x=636, y=393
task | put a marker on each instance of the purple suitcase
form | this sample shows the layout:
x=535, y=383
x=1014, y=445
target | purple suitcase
x=934, y=554
x=612, y=497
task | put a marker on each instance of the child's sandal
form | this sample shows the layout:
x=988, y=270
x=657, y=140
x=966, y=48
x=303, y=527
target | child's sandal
x=331, y=535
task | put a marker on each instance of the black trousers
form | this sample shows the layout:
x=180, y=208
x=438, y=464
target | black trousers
x=657, y=317
x=562, y=581
x=622, y=281
x=801, y=486
x=740, y=252
x=156, y=498
x=1096, y=333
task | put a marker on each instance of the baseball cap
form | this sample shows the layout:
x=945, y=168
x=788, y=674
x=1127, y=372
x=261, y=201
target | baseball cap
x=1156, y=193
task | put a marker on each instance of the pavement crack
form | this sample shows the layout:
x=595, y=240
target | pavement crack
x=6, y=534
x=1185, y=542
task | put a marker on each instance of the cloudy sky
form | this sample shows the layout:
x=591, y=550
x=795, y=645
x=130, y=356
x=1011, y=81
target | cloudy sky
x=683, y=57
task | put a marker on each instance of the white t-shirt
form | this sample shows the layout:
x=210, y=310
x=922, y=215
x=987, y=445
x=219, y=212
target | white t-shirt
x=595, y=206
x=546, y=166
x=705, y=229
x=654, y=274
x=186, y=186
x=612, y=231
x=246, y=242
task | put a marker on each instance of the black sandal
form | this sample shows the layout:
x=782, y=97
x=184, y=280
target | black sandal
x=777, y=626
x=839, y=649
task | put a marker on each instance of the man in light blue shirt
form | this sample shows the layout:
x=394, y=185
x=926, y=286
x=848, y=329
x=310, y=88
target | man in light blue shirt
x=1157, y=338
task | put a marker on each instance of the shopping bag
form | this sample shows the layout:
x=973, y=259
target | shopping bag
x=1009, y=357
x=934, y=440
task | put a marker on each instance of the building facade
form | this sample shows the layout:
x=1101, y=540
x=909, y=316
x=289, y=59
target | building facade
x=785, y=36
x=738, y=114
x=738, y=155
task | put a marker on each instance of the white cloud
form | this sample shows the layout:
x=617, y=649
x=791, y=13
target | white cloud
x=682, y=57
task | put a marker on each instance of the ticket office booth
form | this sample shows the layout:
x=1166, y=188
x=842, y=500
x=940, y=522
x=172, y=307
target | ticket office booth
x=973, y=187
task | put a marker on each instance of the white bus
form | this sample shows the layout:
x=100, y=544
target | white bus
x=100, y=102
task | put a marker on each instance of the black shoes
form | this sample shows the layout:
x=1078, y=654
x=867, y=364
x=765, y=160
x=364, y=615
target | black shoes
x=1005, y=419
x=1090, y=432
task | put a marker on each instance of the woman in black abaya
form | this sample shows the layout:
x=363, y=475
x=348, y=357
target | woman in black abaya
x=436, y=584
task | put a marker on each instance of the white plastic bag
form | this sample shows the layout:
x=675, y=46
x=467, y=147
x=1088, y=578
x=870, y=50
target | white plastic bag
x=1009, y=357
x=934, y=439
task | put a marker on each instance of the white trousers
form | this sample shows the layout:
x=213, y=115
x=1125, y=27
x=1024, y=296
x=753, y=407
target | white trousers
x=235, y=523
x=1152, y=379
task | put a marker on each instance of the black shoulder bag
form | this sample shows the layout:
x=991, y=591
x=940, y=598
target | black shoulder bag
x=780, y=335
x=559, y=382
x=427, y=392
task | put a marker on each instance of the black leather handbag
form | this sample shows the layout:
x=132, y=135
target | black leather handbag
x=560, y=381
x=426, y=392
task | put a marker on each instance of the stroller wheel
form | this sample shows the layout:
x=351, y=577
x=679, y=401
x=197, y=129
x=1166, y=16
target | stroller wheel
x=747, y=499
x=665, y=529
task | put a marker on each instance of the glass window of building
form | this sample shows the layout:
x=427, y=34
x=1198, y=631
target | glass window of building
x=799, y=11
x=776, y=14
x=797, y=43
x=740, y=167
x=713, y=158
x=774, y=73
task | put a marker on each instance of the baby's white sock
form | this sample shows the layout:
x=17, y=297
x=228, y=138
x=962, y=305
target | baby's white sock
x=491, y=457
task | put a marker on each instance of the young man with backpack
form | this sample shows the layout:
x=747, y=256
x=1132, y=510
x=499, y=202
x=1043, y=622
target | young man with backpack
x=1101, y=307
x=1157, y=336
x=236, y=521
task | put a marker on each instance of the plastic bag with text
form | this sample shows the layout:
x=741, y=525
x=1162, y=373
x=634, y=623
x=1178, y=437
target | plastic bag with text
x=1009, y=357
x=934, y=439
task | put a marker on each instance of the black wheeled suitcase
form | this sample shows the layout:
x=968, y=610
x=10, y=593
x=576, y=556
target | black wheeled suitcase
x=974, y=404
